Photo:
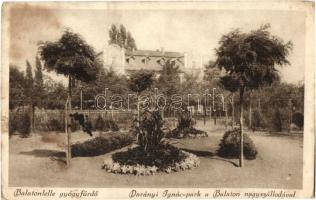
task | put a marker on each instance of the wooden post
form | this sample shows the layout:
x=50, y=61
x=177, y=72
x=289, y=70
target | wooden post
x=241, y=157
x=66, y=131
x=81, y=99
x=290, y=115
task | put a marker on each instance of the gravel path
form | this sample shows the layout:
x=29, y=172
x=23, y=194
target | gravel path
x=34, y=162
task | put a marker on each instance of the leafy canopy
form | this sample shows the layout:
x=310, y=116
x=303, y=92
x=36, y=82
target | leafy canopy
x=70, y=55
x=250, y=58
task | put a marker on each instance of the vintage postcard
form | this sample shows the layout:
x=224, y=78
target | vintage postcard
x=157, y=100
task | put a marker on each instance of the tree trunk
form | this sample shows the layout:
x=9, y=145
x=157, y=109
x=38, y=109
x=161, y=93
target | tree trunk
x=32, y=117
x=250, y=116
x=68, y=120
x=233, y=111
x=226, y=117
x=241, y=156
x=138, y=115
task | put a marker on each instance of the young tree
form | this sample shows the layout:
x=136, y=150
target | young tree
x=250, y=61
x=70, y=56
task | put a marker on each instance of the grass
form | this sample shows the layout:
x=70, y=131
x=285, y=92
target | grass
x=279, y=164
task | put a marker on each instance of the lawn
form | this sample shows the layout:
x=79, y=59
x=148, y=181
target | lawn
x=39, y=161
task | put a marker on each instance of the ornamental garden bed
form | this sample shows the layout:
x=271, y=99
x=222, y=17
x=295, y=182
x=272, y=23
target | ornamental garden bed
x=154, y=152
x=138, y=162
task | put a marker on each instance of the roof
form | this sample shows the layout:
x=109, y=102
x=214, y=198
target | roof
x=150, y=53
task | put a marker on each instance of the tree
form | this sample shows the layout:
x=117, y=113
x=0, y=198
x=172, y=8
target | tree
x=70, y=56
x=113, y=34
x=250, y=60
x=139, y=82
x=169, y=80
x=29, y=90
x=17, y=85
x=121, y=37
x=38, y=83
x=131, y=44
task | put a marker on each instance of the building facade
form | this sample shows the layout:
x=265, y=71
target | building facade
x=126, y=62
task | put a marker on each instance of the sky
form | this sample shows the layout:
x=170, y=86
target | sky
x=193, y=31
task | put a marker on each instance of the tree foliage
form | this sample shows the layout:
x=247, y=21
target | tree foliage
x=250, y=59
x=70, y=55
x=17, y=83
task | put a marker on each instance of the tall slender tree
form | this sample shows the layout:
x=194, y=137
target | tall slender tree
x=70, y=56
x=121, y=37
x=38, y=83
x=250, y=60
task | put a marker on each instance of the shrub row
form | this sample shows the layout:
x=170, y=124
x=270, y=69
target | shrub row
x=101, y=144
x=277, y=120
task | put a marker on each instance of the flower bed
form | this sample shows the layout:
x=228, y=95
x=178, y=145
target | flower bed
x=187, y=161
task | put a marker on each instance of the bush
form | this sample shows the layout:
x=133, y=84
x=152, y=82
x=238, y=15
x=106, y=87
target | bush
x=105, y=125
x=276, y=121
x=185, y=127
x=55, y=125
x=298, y=119
x=12, y=124
x=257, y=120
x=230, y=145
x=23, y=124
x=99, y=124
x=101, y=145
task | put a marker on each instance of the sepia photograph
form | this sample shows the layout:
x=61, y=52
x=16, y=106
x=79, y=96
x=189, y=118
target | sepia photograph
x=160, y=100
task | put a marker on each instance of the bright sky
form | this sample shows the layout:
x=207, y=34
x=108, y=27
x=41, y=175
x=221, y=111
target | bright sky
x=191, y=31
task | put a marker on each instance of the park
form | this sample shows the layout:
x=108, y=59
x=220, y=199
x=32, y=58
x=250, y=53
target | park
x=249, y=133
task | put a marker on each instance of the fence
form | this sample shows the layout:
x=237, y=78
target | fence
x=54, y=120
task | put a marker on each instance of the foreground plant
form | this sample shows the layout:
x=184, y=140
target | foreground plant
x=154, y=153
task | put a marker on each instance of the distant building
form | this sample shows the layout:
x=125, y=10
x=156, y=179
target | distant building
x=126, y=62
